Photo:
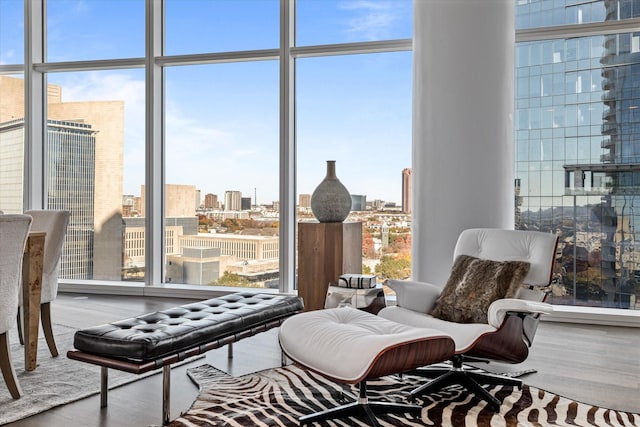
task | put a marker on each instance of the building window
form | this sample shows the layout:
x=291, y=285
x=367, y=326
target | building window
x=577, y=134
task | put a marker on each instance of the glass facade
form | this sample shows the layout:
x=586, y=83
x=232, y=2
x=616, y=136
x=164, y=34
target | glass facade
x=71, y=186
x=542, y=13
x=577, y=133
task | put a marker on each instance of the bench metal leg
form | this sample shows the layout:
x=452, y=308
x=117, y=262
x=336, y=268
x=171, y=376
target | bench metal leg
x=230, y=351
x=166, y=393
x=104, y=386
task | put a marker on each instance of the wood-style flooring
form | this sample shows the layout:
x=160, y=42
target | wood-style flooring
x=599, y=365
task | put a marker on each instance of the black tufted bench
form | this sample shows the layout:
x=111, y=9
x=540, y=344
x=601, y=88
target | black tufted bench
x=156, y=340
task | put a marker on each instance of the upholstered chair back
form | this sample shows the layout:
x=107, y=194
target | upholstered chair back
x=14, y=230
x=54, y=223
x=535, y=247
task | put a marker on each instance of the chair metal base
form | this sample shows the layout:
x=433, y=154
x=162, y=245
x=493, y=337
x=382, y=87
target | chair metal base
x=362, y=408
x=471, y=380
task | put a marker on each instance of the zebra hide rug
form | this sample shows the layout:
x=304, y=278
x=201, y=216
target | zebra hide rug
x=277, y=397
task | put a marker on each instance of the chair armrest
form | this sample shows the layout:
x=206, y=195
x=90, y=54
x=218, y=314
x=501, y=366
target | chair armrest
x=415, y=296
x=498, y=309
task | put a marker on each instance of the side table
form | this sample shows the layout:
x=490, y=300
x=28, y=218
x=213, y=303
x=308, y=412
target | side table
x=371, y=300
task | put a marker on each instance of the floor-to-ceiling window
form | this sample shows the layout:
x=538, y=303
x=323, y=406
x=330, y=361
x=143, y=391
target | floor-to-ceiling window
x=169, y=126
x=356, y=110
x=577, y=133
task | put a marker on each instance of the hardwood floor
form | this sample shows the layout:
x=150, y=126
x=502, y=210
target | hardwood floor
x=599, y=365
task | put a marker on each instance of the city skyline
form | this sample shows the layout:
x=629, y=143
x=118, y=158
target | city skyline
x=222, y=119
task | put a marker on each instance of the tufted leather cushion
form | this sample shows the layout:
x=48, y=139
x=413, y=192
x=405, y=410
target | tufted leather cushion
x=154, y=335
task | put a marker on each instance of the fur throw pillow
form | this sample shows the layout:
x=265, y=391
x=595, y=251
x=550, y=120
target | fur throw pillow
x=474, y=284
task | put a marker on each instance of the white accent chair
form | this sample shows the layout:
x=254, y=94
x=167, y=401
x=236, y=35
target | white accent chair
x=14, y=230
x=54, y=224
x=512, y=322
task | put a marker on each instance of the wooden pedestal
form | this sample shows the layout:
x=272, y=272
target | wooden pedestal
x=325, y=251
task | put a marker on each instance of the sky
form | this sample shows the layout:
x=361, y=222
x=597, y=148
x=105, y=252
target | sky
x=222, y=124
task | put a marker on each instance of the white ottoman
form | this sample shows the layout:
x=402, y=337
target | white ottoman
x=350, y=346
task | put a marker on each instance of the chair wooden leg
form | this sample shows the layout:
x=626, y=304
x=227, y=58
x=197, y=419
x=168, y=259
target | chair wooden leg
x=19, y=320
x=6, y=366
x=45, y=315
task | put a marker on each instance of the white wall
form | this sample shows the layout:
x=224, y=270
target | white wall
x=462, y=126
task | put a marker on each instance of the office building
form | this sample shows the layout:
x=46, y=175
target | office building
x=180, y=200
x=196, y=266
x=103, y=253
x=232, y=200
x=210, y=201
x=71, y=160
x=304, y=200
x=245, y=203
x=577, y=162
x=358, y=202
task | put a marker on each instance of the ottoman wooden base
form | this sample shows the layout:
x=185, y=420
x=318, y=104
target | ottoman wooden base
x=351, y=346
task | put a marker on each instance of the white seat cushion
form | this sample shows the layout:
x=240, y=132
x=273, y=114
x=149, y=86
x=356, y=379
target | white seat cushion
x=464, y=334
x=343, y=343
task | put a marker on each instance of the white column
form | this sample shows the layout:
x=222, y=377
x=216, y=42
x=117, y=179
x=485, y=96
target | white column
x=462, y=126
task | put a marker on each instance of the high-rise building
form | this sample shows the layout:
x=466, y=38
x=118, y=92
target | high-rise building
x=70, y=185
x=102, y=215
x=406, y=190
x=198, y=199
x=232, y=200
x=245, y=203
x=358, y=202
x=577, y=158
x=210, y=201
x=304, y=200
x=180, y=200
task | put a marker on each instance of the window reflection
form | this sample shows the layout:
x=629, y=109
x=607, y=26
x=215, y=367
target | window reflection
x=594, y=133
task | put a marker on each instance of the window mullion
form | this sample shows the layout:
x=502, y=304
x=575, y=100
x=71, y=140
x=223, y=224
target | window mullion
x=34, y=106
x=154, y=146
x=287, y=147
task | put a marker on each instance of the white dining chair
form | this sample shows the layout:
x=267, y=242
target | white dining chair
x=54, y=223
x=14, y=230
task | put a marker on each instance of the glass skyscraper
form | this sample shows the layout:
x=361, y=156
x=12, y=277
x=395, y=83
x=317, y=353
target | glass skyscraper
x=70, y=169
x=577, y=137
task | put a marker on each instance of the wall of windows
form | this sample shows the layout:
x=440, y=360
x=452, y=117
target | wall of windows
x=183, y=135
x=577, y=134
x=211, y=120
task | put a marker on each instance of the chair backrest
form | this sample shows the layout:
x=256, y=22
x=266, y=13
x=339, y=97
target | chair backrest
x=54, y=223
x=14, y=230
x=535, y=247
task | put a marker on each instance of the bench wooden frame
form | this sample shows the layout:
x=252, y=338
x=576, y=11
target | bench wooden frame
x=165, y=362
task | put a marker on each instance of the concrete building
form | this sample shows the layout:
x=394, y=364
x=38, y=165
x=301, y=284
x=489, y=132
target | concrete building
x=105, y=121
x=180, y=200
x=304, y=200
x=211, y=201
x=232, y=200
x=244, y=247
x=196, y=266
